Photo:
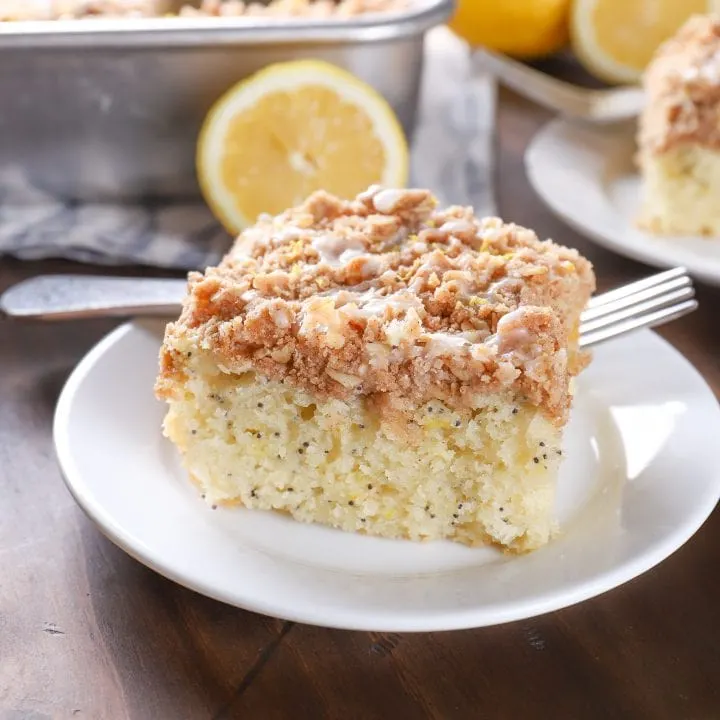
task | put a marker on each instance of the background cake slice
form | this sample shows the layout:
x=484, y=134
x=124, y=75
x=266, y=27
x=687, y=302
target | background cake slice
x=679, y=137
x=381, y=366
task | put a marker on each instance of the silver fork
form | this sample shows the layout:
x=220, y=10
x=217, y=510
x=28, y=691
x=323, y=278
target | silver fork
x=646, y=303
x=649, y=302
x=600, y=106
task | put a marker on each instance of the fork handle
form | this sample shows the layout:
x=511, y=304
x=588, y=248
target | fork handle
x=546, y=91
x=65, y=297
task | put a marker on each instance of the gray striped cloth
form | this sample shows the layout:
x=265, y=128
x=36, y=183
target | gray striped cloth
x=452, y=154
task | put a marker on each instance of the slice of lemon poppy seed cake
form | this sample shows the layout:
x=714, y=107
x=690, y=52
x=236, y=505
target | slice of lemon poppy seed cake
x=382, y=366
x=679, y=133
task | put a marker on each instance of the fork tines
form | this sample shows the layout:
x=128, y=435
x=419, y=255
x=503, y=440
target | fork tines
x=646, y=303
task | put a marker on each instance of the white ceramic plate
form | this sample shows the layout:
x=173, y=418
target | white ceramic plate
x=586, y=176
x=642, y=473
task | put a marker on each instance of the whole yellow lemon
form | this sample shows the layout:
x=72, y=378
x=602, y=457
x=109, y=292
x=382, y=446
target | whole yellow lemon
x=522, y=28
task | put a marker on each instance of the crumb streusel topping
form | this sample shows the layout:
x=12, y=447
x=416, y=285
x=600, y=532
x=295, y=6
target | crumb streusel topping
x=682, y=84
x=15, y=10
x=75, y=9
x=388, y=296
x=292, y=8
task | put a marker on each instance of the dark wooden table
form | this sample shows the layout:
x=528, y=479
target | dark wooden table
x=87, y=632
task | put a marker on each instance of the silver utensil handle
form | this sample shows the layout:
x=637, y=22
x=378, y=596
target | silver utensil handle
x=62, y=297
x=573, y=101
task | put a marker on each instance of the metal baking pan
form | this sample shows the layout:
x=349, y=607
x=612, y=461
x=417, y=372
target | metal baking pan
x=109, y=110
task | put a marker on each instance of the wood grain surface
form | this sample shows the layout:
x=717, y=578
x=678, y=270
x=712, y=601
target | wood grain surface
x=87, y=632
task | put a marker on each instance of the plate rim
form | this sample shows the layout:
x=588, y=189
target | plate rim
x=466, y=618
x=536, y=173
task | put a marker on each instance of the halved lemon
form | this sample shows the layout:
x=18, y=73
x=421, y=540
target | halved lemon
x=616, y=39
x=291, y=129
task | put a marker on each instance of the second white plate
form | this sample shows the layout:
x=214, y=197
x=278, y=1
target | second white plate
x=586, y=176
x=641, y=474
